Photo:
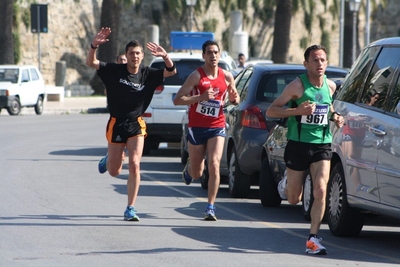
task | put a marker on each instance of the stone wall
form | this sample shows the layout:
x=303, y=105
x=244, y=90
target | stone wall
x=72, y=25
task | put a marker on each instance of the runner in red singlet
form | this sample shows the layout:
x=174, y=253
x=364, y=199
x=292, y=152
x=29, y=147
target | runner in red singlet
x=204, y=92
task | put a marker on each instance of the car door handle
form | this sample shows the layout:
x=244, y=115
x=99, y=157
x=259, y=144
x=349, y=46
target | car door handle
x=377, y=131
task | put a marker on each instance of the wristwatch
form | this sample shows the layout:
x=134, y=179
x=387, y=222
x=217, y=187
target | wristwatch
x=333, y=113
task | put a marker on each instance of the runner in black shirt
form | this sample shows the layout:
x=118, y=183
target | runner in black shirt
x=129, y=88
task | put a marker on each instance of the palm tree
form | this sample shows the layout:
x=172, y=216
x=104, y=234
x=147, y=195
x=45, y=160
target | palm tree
x=281, y=43
x=110, y=16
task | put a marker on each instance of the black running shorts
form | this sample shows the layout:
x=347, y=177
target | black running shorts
x=298, y=155
x=119, y=130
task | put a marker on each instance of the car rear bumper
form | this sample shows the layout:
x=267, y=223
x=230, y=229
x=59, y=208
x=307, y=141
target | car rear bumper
x=165, y=132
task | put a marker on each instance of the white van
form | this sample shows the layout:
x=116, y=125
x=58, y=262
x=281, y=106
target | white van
x=163, y=118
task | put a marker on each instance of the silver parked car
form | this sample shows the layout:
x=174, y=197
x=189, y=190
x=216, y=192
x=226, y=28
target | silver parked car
x=365, y=176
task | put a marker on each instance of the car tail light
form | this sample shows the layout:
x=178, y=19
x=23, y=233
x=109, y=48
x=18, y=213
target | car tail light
x=252, y=117
x=147, y=115
x=159, y=89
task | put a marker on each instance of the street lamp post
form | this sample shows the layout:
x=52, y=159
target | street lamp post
x=354, y=6
x=191, y=4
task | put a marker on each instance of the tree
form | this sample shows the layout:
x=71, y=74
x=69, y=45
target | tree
x=110, y=16
x=281, y=43
x=6, y=37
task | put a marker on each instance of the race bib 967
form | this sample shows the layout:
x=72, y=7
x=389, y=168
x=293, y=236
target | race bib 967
x=319, y=117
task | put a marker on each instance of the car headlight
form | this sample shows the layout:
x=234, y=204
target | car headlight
x=3, y=92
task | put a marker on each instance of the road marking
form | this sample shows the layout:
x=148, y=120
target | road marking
x=268, y=224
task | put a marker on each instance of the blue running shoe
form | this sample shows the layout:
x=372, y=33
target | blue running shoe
x=103, y=164
x=130, y=214
x=185, y=174
x=210, y=213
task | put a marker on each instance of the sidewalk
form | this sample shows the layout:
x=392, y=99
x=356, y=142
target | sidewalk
x=70, y=105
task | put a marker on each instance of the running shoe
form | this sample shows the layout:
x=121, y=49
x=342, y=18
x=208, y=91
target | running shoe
x=210, y=213
x=185, y=174
x=130, y=214
x=313, y=246
x=282, y=186
x=103, y=164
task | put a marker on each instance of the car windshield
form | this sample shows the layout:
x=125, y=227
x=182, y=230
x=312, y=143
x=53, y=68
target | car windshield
x=9, y=75
x=184, y=68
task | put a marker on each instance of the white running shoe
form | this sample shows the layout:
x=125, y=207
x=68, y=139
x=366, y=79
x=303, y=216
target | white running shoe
x=282, y=186
x=313, y=246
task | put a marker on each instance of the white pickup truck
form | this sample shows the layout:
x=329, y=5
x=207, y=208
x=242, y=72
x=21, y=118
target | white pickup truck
x=21, y=86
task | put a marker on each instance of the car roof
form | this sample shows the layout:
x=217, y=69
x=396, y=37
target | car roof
x=385, y=41
x=259, y=61
x=188, y=55
x=274, y=67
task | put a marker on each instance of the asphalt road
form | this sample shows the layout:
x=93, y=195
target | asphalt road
x=57, y=210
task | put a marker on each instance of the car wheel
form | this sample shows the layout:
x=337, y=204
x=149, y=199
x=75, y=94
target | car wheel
x=269, y=195
x=184, y=153
x=308, y=197
x=205, y=177
x=15, y=107
x=342, y=219
x=39, y=106
x=150, y=143
x=239, y=182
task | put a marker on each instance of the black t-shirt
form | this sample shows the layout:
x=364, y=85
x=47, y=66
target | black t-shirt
x=129, y=95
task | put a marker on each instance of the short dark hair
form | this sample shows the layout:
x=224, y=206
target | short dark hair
x=208, y=43
x=133, y=43
x=314, y=47
x=241, y=55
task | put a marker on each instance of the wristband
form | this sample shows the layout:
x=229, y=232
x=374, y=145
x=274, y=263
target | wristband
x=93, y=47
x=171, y=69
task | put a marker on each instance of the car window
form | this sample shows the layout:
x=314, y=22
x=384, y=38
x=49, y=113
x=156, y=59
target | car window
x=34, y=74
x=9, y=75
x=25, y=76
x=380, y=77
x=242, y=83
x=394, y=99
x=355, y=79
x=184, y=68
x=271, y=86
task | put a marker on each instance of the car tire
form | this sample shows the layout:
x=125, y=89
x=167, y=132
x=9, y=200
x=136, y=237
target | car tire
x=150, y=143
x=39, y=106
x=342, y=219
x=239, y=182
x=269, y=195
x=308, y=197
x=15, y=107
x=205, y=177
x=184, y=153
